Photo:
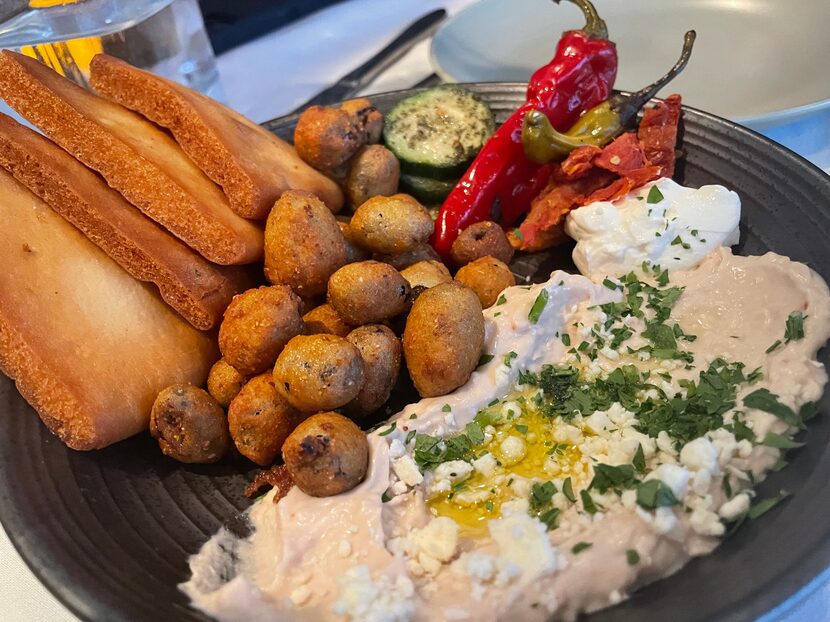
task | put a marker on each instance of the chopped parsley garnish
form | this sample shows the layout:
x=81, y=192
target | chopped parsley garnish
x=807, y=411
x=654, y=195
x=765, y=505
x=678, y=241
x=541, y=494
x=588, y=502
x=762, y=399
x=566, y=339
x=430, y=451
x=568, y=490
x=653, y=494
x=795, y=327
x=485, y=358
x=610, y=284
x=780, y=442
x=549, y=518
x=520, y=428
x=501, y=300
x=639, y=460
x=508, y=358
x=774, y=346
x=518, y=234
x=389, y=430
x=446, y=408
x=577, y=548
x=607, y=477
x=413, y=416
x=409, y=436
x=538, y=307
x=632, y=557
x=385, y=498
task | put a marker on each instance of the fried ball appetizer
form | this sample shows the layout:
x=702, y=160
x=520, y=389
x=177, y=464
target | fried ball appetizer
x=224, y=382
x=189, y=425
x=303, y=243
x=326, y=138
x=367, y=292
x=373, y=171
x=482, y=239
x=260, y=420
x=426, y=274
x=326, y=455
x=257, y=325
x=353, y=251
x=380, y=350
x=399, y=261
x=324, y=319
x=391, y=224
x=443, y=338
x=319, y=372
x=487, y=277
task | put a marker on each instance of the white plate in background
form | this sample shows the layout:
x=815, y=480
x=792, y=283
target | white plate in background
x=758, y=62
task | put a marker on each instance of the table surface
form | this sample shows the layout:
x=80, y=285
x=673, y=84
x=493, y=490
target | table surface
x=272, y=75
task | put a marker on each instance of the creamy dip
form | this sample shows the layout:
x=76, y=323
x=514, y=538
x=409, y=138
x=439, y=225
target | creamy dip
x=531, y=494
x=660, y=223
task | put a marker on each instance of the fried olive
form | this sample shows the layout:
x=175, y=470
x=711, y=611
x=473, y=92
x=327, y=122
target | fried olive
x=319, y=372
x=481, y=239
x=324, y=319
x=257, y=325
x=391, y=224
x=303, y=243
x=353, y=251
x=380, y=350
x=327, y=454
x=366, y=118
x=487, y=277
x=443, y=338
x=189, y=425
x=427, y=274
x=367, y=292
x=224, y=382
x=326, y=138
x=373, y=171
x=399, y=261
x=260, y=420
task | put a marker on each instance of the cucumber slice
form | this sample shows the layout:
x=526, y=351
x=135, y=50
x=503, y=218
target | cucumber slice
x=427, y=190
x=436, y=133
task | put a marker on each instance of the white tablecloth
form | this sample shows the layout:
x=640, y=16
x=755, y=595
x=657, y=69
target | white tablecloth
x=269, y=77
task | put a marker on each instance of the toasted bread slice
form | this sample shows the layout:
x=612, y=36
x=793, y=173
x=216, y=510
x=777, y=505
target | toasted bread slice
x=135, y=157
x=198, y=289
x=252, y=166
x=88, y=346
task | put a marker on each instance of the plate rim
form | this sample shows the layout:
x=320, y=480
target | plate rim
x=801, y=582
x=765, y=120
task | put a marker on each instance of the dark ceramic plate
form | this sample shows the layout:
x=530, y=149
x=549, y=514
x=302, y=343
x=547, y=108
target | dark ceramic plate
x=110, y=532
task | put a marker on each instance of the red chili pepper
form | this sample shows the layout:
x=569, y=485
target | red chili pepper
x=501, y=181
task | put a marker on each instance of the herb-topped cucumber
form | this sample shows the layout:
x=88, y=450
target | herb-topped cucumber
x=437, y=133
x=427, y=190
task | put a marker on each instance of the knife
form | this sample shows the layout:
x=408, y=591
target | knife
x=356, y=80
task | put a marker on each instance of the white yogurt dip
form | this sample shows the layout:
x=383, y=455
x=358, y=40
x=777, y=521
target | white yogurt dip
x=674, y=227
x=548, y=513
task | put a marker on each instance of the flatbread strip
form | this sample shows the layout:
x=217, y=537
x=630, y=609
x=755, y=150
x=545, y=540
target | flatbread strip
x=253, y=166
x=88, y=346
x=198, y=289
x=135, y=157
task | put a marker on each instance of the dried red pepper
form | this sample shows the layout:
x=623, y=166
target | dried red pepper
x=501, y=182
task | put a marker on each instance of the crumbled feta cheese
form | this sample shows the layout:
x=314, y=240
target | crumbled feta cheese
x=598, y=422
x=382, y=600
x=407, y=471
x=438, y=539
x=512, y=450
x=396, y=448
x=665, y=443
x=301, y=595
x=486, y=464
x=662, y=520
x=706, y=523
x=673, y=476
x=700, y=455
x=453, y=472
x=736, y=507
x=523, y=540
